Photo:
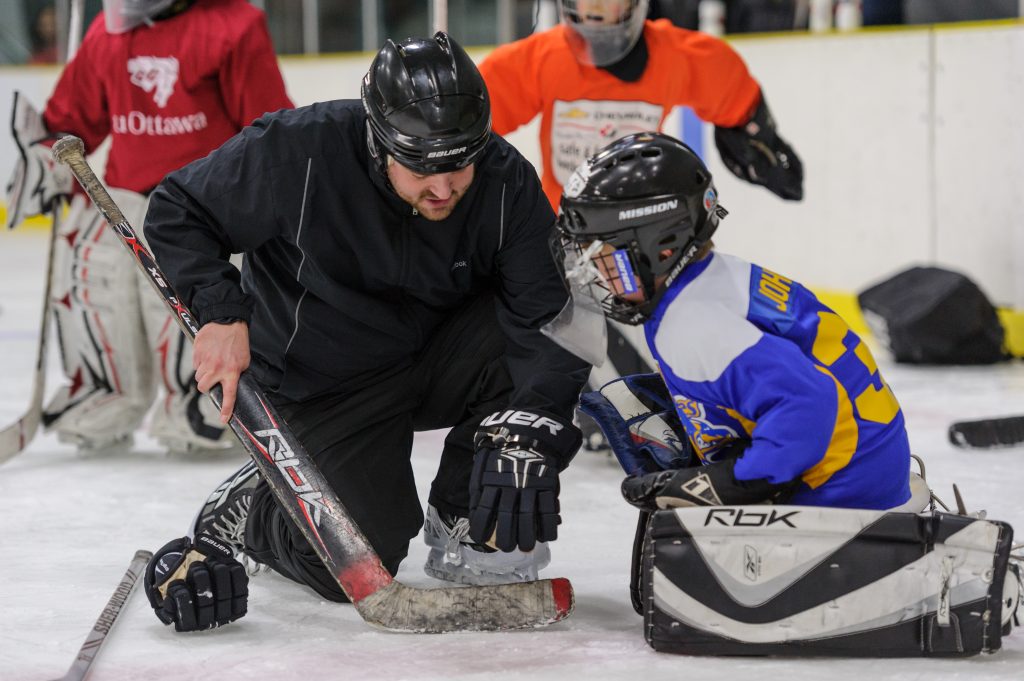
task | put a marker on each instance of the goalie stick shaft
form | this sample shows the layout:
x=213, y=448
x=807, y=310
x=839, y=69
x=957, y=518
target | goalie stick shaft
x=99, y=632
x=304, y=493
x=75, y=28
x=16, y=437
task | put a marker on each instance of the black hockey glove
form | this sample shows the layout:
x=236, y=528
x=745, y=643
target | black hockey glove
x=514, y=487
x=712, y=485
x=754, y=152
x=196, y=584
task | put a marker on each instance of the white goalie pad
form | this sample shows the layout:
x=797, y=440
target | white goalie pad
x=38, y=181
x=119, y=345
x=95, y=304
x=799, y=580
x=184, y=420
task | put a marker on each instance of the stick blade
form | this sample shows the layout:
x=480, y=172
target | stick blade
x=17, y=436
x=988, y=433
x=503, y=607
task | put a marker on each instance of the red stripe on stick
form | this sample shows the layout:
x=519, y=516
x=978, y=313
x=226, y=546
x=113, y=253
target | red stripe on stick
x=561, y=591
x=366, y=577
x=269, y=415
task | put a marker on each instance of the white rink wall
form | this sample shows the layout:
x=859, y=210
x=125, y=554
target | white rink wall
x=913, y=153
x=911, y=139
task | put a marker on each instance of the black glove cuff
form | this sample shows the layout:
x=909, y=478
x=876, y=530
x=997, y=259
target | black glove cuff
x=713, y=484
x=211, y=548
x=533, y=429
x=164, y=562
x=761, y=124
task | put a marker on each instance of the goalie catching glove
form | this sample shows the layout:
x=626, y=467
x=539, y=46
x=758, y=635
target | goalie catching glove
x=196, y=584
x=754, y=152
x=714, y=484
x=514, y=486
x=38, y=181
x=639, y=420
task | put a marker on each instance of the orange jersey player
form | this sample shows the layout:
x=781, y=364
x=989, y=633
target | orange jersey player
x=607, y=72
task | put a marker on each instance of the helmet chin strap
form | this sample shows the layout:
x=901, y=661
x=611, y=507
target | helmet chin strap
x=379, y=161
x=371, y=146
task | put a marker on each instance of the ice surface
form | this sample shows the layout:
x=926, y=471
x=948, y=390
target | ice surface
x=70, y=525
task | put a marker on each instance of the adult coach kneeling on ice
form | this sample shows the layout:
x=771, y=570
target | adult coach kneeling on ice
x=765, y=395
x=395, y=277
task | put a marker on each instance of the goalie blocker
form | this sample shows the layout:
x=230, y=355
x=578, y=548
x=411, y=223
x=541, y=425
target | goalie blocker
x=801, y=580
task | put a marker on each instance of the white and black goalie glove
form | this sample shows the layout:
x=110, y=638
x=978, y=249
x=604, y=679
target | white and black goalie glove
x=38, y=181
x=639, y=420
x=712, y=485
x=514, y=487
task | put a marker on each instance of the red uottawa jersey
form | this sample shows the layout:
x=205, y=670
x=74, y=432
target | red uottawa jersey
x=584, y=108
x=168, y=93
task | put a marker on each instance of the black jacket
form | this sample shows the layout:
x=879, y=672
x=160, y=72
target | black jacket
x=341, y=278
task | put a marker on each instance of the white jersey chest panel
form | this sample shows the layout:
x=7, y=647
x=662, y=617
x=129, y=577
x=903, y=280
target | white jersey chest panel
x=705, y=328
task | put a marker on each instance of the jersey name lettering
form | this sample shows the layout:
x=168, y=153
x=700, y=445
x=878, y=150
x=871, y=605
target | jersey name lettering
x=776, y=288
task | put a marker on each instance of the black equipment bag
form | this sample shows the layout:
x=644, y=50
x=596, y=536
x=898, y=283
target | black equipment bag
x=810, y=581
x=928, y=315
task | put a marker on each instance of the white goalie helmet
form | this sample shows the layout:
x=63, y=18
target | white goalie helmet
x=602, y=32
x=122, y=16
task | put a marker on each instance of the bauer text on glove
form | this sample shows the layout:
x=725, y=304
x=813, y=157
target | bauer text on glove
x=514, y=486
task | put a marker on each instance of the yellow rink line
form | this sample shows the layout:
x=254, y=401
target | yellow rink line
x=843, y=302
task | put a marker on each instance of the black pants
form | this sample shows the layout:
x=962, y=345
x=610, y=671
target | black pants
x=362, y=443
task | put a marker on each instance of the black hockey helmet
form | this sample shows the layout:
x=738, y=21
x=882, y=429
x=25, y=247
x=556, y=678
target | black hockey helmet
x=650, y=198
x=426, y=104
x=602, y=32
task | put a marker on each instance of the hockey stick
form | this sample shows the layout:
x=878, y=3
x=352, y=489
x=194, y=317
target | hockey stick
x=988, y=433
x=15, y=437
x=98, y=634
x=439, y=12
x=301, y=489
x=75, y=28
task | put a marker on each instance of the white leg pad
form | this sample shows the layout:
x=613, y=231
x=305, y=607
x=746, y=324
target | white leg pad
x=95, y=302
x=184, y=420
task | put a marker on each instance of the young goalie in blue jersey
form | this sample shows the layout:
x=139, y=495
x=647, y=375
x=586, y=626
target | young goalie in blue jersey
x=759, y=381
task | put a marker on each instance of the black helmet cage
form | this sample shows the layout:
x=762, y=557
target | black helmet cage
x=658, y=232
x=426, y=105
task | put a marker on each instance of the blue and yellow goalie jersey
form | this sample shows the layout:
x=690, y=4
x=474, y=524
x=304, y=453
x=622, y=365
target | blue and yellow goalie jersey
x=750, y=354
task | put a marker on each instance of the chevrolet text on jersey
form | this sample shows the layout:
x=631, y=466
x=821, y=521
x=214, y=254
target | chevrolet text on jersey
x=648, y=210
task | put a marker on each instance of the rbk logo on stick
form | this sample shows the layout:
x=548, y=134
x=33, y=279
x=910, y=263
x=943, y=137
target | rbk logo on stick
x=281, y=454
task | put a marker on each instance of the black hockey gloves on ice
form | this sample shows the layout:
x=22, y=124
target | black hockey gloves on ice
x=514, y=487
x=196, y=584
x=754, y=152
x=712, y=485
